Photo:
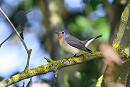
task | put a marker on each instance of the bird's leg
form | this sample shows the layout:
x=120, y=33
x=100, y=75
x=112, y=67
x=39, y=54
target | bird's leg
x=71, y=56
x=75, y=55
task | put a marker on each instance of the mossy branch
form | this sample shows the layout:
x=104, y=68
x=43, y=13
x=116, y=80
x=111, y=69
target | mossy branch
x=52, y=66
x=122, y=41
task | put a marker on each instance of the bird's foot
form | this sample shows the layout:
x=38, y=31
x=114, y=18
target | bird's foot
x=71, y=56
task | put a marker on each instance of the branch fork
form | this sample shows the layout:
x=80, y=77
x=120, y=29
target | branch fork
x=15, y=29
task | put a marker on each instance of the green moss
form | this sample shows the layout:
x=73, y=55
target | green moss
x=52, y=65
x=125, y=14
x=99, y=82
x=23, y=75
x=74, y=59
x=44, y=68
x=33, y=71
x=10, y=80
x=48, y=59
x=14, y=78
x=96, y=53
x=119, y=49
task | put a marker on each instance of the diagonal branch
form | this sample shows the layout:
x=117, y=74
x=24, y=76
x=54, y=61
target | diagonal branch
x=52, y=66
x=8, y=37
x=14, y=29
x=28, y=51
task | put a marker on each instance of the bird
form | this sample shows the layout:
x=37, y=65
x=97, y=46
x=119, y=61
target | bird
x=72, y=44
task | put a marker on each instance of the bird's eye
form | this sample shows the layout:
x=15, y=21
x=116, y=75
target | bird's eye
x=63, y=32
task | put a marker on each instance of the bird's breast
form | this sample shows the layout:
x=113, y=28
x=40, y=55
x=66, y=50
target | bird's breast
x=60, y=41
x=68, y=47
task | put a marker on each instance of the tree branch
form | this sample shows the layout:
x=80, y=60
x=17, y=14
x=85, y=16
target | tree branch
x=52, y=66
x=14, y=29
x=113, y=15
x=122, y=40
x=9, y=36
x=28, y=51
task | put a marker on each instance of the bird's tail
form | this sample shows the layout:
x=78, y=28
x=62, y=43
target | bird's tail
x=98, y=36
x=87, y=42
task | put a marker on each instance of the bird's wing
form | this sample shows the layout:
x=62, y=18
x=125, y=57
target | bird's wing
x=74, y=42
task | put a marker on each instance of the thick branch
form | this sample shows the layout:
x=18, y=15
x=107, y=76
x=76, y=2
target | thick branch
x=113, y=15
x=51, y=66
x=119, y=8
x=122, y=41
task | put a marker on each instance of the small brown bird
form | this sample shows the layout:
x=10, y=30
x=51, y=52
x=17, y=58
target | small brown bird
x=71, y=44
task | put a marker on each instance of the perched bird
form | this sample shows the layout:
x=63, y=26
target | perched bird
x=73, y=45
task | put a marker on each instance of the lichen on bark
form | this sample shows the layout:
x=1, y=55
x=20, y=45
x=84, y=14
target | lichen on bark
x=123, y=40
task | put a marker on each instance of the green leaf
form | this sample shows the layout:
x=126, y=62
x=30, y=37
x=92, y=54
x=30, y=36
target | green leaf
x=78, y=75
x=23, y=84
x=28, y=4
x=71, y=83
x=90, y=82
x=53, y=84
x=94, y=3
x=29, y=83
x=98, y=83
x=1, y=78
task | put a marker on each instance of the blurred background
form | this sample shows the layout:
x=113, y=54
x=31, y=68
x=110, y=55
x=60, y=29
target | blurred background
x=40, y=20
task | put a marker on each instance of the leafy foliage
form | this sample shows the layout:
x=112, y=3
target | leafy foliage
x=1, y=78
x=83, y=78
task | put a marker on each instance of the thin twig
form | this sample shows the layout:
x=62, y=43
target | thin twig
x=16, y=28
x=28, y=51
x=27, y=65
x=8, y=37
x=23, y=18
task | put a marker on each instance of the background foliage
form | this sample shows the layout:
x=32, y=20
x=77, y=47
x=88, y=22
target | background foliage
x=84, y=19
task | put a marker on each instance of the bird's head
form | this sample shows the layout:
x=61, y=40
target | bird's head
x=63, y=33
